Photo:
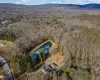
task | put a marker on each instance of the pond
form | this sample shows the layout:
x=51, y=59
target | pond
x=45, y=47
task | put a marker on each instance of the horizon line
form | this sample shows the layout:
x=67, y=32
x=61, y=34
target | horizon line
x=49, y=3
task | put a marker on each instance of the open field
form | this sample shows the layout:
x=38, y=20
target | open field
x=6, y=49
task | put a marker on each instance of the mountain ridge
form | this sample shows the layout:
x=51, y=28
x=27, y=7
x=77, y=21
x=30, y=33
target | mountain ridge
x=85, y=6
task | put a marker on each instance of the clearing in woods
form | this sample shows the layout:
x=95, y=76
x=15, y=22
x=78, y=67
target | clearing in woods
x=57, y=58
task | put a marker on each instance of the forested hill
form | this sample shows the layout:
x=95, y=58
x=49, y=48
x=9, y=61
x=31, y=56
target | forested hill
x=86, y=6
x=74, y=30
x=20, y=6
x=16, y=9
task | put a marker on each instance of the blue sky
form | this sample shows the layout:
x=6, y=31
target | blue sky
x=36, y=2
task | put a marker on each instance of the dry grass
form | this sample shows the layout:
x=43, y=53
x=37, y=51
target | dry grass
x=6, y=50
x=56, y=58
x=7, y=45
x=1, y=77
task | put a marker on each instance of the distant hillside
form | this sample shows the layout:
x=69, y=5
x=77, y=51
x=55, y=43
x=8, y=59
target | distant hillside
x=86, y=6
x=13, y=10
x=19, y=6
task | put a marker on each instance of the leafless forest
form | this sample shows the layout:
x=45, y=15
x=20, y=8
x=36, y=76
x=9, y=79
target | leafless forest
x=77, y=31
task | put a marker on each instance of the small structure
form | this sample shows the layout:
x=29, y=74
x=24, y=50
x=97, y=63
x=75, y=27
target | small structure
x=49, y=68
x=3, y=21
x=1, y=44
x=44, y=70
x=53, y=65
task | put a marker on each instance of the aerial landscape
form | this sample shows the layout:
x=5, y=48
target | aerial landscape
x=49, y=40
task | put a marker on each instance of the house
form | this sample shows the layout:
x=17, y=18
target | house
x=1, y=44
x=53, y=65
x=48, y=69
x=45, y=71
x=3, y=21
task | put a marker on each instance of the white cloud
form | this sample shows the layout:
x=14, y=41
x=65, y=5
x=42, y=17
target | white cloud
x=22, y=1
x=25, y=0
x=59, y=1
x=17, y=2
x=79, y=1
x=54, y=2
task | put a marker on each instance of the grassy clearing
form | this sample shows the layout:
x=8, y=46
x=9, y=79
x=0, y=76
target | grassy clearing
x=7, y=45
x=56, y=58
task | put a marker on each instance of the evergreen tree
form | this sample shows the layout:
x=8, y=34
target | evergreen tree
x=17, y=68
x=29, y=68
x=12, y=63
x=64, y=76
x=42, y=56
x=54, y=76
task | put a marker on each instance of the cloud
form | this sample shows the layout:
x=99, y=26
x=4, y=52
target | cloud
x=56, y=1
x=17, y=2
x=78, y=1
x=22, y=1
x=26, y=0
x=72, y=1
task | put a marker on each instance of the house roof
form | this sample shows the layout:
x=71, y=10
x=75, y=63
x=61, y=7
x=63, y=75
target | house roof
x=1, y=44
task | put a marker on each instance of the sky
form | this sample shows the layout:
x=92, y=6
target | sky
x=37, y=2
